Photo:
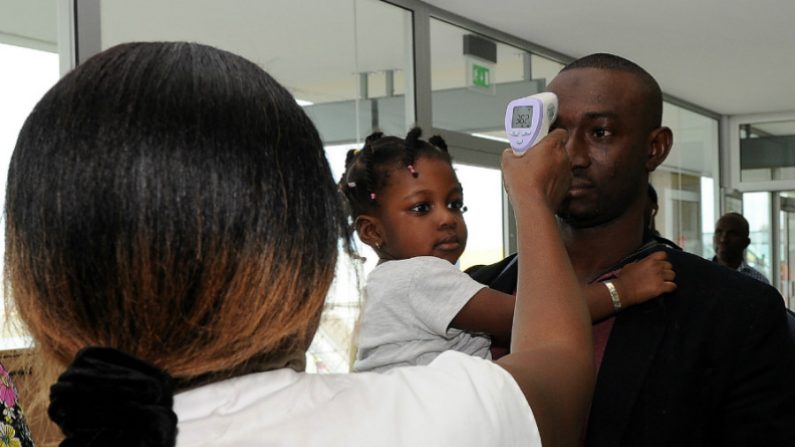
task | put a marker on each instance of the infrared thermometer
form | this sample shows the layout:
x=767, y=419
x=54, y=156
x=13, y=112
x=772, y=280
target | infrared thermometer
x=527, y=120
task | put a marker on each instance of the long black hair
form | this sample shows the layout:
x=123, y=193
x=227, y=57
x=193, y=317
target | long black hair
x=171, y=201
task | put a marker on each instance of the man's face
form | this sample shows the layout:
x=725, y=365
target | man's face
x=605, y=113
x=730, y=238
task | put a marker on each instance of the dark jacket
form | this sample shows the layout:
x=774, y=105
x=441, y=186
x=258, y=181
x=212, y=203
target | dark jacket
x=710, y=364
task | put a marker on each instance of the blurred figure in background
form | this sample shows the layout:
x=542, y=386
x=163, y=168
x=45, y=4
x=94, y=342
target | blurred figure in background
x=730, y=241
x=652, y=207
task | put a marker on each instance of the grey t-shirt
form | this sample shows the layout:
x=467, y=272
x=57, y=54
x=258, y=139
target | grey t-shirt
x=406, y=318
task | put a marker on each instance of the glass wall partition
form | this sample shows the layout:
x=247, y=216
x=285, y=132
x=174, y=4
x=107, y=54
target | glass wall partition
x=786, y=269
x=757, y=211
x=685, y=182
x=30, y=60
x=767, y=151
x=762, y=170
x=349, y=63
x=473, y=77
x=346, y=62
x=482, y=190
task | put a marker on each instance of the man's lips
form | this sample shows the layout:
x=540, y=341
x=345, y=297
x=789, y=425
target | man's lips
x=579, y=186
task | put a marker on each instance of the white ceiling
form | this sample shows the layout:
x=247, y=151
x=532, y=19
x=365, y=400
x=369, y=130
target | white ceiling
x=733, y=57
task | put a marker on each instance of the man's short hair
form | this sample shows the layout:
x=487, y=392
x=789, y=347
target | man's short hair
x=739, y=218
x=607, y=61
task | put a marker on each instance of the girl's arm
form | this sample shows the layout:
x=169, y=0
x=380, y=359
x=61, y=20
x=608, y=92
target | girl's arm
x=635, y=283
x=491, y=311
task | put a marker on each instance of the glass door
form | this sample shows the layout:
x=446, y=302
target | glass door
x=787, y=248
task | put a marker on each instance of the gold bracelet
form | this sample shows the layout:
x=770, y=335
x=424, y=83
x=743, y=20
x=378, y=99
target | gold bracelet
x=613, y=295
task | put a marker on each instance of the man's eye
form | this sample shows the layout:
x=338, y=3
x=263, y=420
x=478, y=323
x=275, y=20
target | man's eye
x=421, y=208
x=601, y=132
x=457, y=205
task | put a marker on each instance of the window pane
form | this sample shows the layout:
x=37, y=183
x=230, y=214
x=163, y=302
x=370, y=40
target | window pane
x=680, y=200
x=346, y=63
x=767, y=151
x=470, y=91
x=333, y=349
x=482, y=196
x=26, y=75
x=787, y=248
x=685, y=181
x=756, y=210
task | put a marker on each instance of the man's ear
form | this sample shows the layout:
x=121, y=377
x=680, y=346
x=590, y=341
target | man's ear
x=369, y=230
x=660, y=141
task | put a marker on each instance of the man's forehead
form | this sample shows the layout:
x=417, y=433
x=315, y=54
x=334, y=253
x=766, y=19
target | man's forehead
x=596, y=86
x=589, y=94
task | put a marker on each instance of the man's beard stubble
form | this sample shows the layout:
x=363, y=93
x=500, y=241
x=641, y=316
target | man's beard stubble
x=578, y=220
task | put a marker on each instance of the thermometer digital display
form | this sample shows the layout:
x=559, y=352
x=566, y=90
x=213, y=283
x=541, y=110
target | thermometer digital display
x=527, y=120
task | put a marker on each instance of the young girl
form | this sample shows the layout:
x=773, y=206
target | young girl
x=407, y=204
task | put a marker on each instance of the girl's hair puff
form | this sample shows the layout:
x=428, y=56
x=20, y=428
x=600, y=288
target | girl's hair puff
x=367, y=170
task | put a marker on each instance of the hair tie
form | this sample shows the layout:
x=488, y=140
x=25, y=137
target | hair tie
x=413, y=171
x=372, y=196
x=107, y=397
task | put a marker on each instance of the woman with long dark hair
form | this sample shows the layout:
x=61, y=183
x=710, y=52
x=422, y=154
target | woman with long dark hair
x=172, y=232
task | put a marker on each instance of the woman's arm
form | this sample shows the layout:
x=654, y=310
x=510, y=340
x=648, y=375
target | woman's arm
x=551, y=347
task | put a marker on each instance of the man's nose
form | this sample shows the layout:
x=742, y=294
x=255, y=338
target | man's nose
x=577, y=150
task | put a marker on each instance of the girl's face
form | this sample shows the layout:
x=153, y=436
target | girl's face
x=422, y=216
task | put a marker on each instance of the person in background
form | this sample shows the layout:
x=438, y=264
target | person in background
x=172, y=230
x=14, y=431
x=730, y=241
x=652, y=207
x=709, y=364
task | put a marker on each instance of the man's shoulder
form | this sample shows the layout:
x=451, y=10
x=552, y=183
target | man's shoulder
x=704, y=271
x=753, y=273
x=487, y=274
x=490, y=271
x=702, y=283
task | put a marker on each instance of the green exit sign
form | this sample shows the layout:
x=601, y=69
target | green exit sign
x=481, y=76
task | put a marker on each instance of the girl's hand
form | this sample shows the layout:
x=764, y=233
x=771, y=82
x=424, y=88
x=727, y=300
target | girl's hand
x=542, y=174
x=643, y=280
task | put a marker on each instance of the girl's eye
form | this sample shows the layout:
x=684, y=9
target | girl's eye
x=421, y=208
x=457, y=205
